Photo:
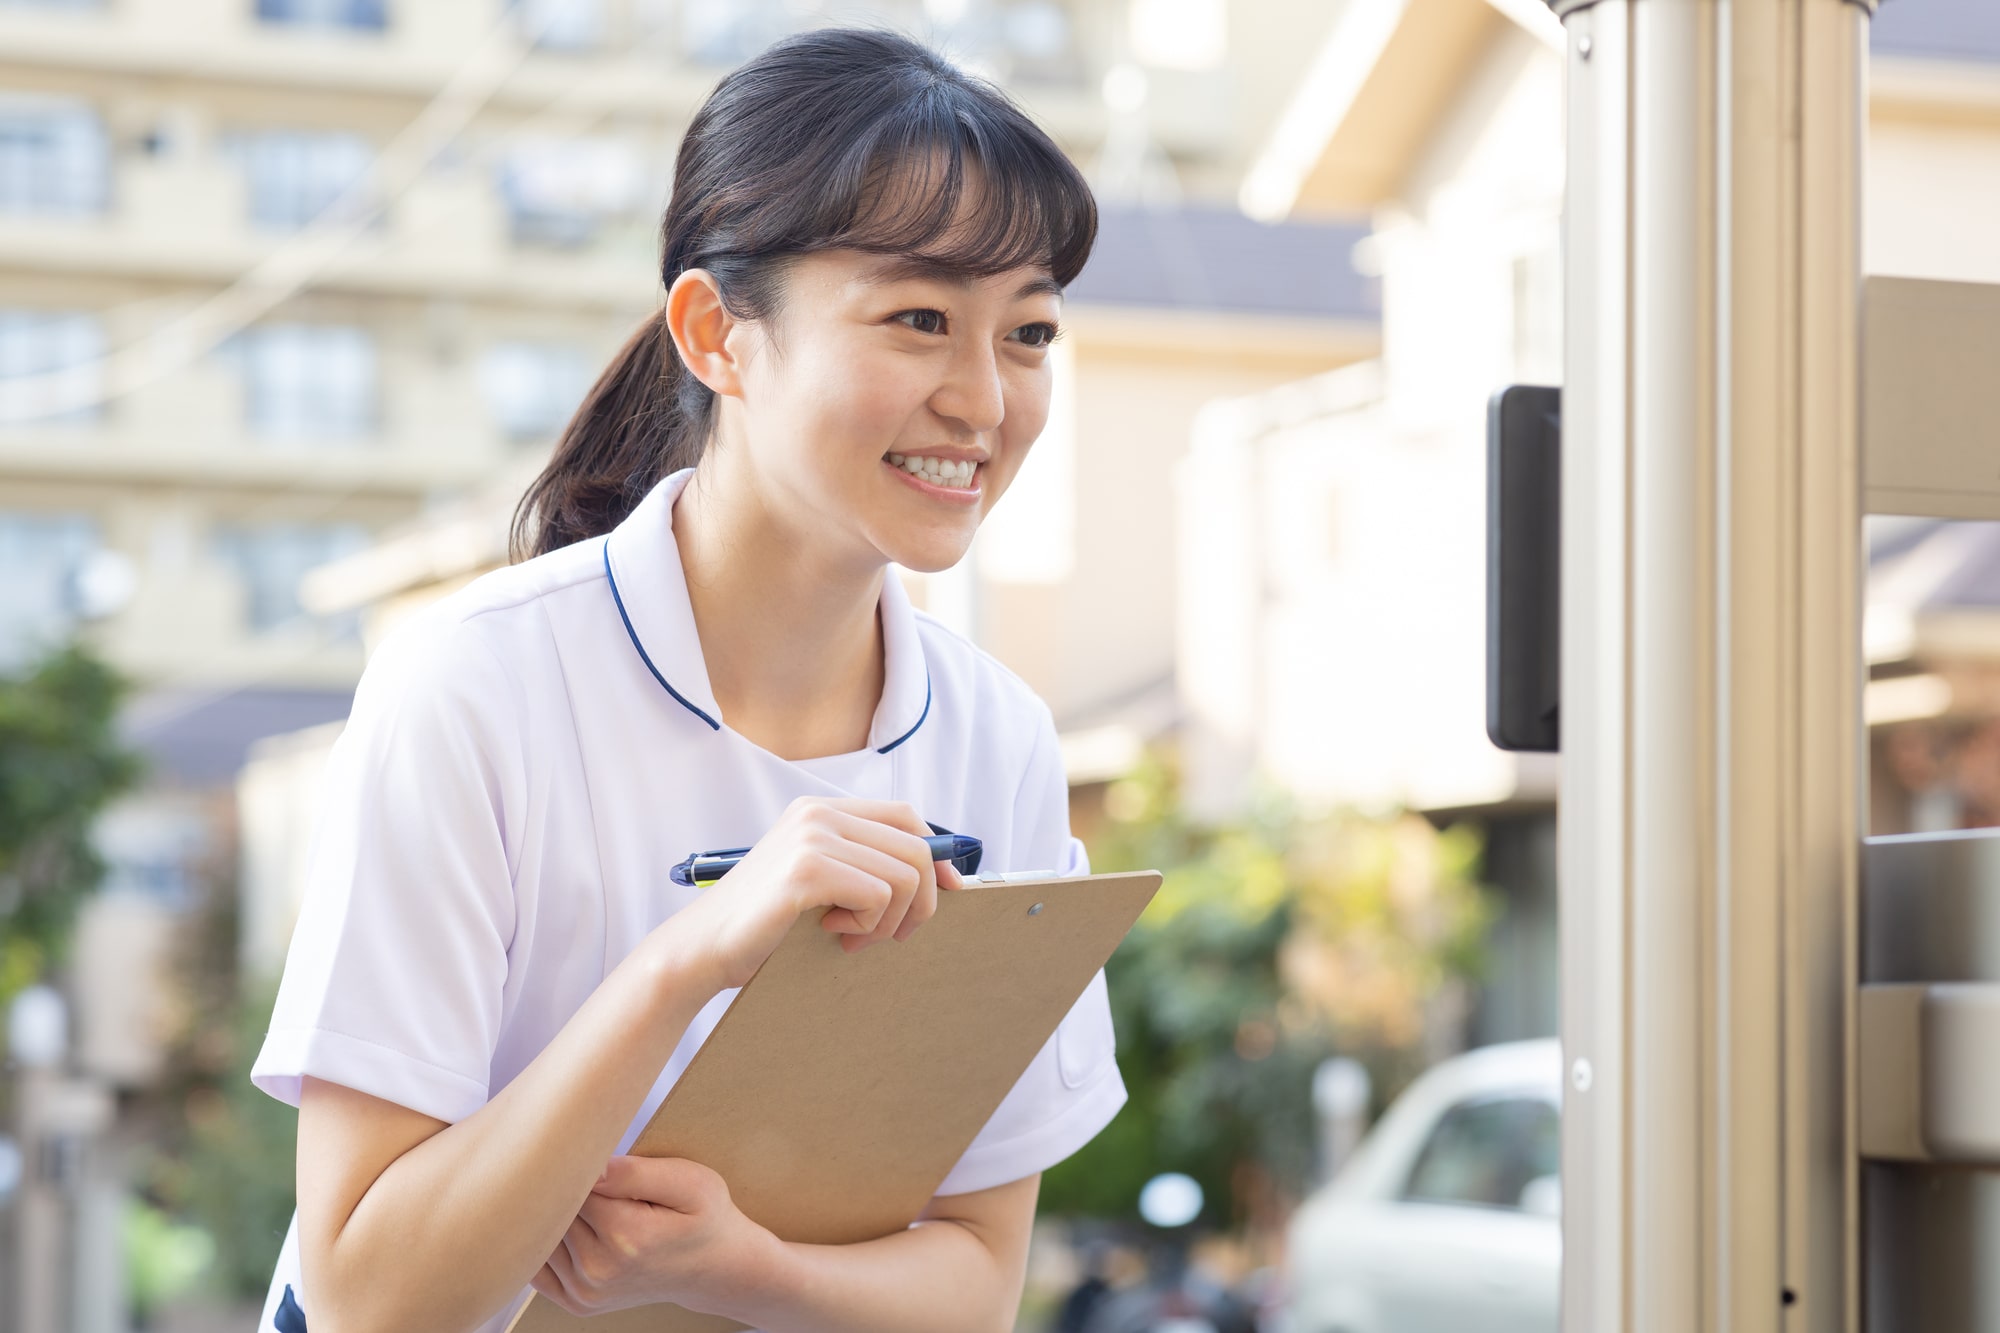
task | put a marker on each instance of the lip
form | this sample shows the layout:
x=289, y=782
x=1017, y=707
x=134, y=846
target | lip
x=955, y=494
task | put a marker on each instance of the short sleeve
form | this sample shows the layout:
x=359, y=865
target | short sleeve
x=1072, y=1089
x=394, y=979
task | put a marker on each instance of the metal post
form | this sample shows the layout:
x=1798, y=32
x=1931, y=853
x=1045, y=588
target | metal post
x=1711, y=722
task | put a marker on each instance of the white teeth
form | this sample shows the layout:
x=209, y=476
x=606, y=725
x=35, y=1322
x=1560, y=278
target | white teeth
x=953, y=472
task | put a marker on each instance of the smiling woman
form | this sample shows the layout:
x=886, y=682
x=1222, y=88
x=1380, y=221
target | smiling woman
x=861, y=142
x=494, y=981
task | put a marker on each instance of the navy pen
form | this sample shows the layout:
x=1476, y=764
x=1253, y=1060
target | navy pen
x=707, y=867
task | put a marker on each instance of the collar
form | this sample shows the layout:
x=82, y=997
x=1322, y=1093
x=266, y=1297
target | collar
x=642, y=565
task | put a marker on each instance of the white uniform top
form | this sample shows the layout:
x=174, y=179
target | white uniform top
x=524, y=763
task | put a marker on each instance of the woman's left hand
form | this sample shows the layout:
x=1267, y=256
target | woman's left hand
x=656, y=1229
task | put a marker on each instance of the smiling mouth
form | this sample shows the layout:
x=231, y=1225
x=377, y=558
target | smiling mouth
x=952, y=473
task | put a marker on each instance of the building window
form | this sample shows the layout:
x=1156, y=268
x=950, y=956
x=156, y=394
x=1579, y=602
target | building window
x=51, y=366
x=727, y=32
x=269, y=559
x=561, y=25
x=54, y=158
x=310, y=381
x=364, y=14
x=562, y=192
x=41, y=598
x=296, y=177
x=532, y=388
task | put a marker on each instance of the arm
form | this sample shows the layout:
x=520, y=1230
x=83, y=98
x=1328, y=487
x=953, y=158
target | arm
x=961, y=1267
x=665, y=1229
x=407, y=1222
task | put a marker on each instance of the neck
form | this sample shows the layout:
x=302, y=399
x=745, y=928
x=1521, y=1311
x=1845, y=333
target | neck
x=789, y=632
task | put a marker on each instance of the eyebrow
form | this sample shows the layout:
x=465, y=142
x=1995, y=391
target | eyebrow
x=904, y=268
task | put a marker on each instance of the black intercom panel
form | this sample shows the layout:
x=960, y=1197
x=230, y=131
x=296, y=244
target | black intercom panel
x=1523, y=567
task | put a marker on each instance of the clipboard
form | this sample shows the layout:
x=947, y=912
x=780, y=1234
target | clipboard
x=838, y=1090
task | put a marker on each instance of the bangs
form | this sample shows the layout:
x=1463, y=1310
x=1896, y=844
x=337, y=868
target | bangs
x=931, y=164
x=965, y=201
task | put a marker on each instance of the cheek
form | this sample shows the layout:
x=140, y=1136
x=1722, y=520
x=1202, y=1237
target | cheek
x=859, y=398
x=1026, y=416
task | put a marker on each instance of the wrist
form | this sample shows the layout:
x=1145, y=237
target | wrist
x=767, y=1279
x=680, y=968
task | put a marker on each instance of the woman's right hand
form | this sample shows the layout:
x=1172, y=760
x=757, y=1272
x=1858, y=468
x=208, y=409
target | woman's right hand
x=865, y=862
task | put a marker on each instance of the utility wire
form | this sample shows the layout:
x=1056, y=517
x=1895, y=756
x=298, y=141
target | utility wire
x=302, y=257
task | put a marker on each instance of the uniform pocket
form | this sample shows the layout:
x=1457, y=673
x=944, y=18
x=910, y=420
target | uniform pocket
x=1084, y=1041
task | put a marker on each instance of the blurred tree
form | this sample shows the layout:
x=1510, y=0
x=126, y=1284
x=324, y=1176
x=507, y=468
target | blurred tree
x=223, y=1157
x=163, y=1259
x=1274, y=942
x=60, y=762
x=235, y=1174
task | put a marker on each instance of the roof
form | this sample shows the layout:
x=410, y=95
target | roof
x=1966, y=30
x=1381, y=82
x=199, y=738
x=1206, y=258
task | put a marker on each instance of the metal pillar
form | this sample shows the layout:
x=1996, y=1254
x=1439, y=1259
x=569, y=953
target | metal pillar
x=1711, y=696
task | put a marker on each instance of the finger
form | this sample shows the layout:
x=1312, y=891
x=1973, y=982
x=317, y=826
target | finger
x=561, y=1268
x=550, y=1284
x=893, y=870
x=915, y=881
x=906, y=847
x=948, y=876
x=610, y=1222
x=924, y=905
x=905, y=888
x=896, y=814
x=855, y=899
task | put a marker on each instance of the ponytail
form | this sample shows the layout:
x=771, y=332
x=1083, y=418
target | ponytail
x=839, y=138
x=644, y=418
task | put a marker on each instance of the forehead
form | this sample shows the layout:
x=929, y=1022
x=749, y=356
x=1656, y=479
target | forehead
x=862, y=271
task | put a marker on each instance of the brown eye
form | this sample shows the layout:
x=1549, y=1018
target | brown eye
x=1035, y=335
x=923, y=321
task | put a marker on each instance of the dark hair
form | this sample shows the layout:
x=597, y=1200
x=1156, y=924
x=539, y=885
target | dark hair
x=837, y=138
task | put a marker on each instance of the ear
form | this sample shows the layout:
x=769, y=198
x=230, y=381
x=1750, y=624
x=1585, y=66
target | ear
x=701, y=327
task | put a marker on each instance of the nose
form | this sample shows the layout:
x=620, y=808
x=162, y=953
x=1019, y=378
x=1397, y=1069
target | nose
x=972, y=392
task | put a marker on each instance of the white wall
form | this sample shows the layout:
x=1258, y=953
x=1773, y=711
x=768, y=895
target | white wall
x=277, y=801
x=1932, y=200
x=1334, y=561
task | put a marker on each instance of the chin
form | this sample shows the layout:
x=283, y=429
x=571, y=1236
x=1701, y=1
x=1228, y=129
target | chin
x=928, y=557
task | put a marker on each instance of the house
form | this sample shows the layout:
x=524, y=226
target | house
x=1332, y=613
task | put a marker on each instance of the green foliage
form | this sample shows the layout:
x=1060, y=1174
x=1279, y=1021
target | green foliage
x=60, y=762
x=227, y=1164
x=1275, y=942
x=163, y=1258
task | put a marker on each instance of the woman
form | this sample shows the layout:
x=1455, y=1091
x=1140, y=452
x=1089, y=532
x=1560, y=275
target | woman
x=494, y=982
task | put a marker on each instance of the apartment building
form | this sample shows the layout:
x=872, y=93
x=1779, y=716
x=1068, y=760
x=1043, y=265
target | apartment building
x=276, y=275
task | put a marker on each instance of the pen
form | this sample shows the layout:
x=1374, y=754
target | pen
x=707, y=867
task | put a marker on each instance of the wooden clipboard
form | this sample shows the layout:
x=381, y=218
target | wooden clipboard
x=838, y=1090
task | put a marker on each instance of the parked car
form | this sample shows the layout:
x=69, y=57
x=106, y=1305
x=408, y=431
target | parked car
x=1447, y=1217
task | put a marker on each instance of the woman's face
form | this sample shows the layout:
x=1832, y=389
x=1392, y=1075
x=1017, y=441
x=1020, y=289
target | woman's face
x=888, y=405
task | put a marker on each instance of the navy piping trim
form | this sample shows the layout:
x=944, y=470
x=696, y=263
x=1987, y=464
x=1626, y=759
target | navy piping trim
x=920, y=717
x=634, y=635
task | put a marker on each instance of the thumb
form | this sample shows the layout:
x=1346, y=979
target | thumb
x=670, y=1182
